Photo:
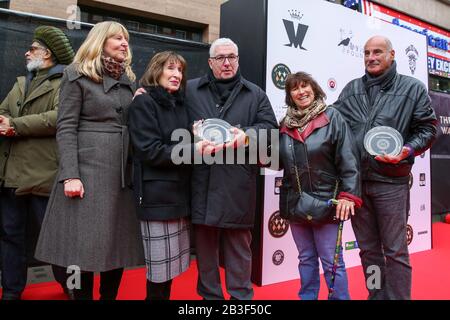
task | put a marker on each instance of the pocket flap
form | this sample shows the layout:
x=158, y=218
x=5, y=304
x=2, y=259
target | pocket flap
x=155, y=174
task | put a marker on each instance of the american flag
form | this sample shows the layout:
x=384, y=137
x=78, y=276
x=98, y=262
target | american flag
x=352, y=4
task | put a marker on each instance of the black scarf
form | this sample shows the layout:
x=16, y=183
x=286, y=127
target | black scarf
x=222, y=88
x=164, y=98
x=373, y=85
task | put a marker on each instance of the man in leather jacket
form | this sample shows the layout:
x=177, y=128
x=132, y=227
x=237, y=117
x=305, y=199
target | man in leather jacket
x=382, y=97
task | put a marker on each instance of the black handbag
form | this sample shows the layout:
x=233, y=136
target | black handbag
x=307, y=208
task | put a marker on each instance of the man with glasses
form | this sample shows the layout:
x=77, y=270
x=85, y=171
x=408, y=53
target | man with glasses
x=224, y=195
x=29, y=163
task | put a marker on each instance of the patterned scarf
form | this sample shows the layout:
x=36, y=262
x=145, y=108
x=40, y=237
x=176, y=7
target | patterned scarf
x=299, y=119
x=113, y=68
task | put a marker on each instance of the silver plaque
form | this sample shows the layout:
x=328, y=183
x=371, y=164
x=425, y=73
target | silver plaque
x=383, y=140
x=215, y=130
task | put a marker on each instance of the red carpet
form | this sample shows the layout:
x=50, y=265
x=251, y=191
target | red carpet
x=430, y=279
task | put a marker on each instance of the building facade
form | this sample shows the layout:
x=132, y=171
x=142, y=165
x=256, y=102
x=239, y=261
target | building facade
x=195, y=20
x=201, y=17
x=199, y=20
x=432, y=24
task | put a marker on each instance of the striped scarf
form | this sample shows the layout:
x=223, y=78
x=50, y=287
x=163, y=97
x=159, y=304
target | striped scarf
x=299, y=118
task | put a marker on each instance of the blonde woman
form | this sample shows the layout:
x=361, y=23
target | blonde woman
x=90, y=221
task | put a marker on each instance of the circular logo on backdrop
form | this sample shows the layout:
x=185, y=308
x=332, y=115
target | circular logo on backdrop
x=332, y=84
x=278, y=257
x=411, y=180
x=278, y=227
x=409, y=234
x=279, y=75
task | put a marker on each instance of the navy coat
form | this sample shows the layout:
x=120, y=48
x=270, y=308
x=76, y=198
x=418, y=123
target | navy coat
x=224, y=195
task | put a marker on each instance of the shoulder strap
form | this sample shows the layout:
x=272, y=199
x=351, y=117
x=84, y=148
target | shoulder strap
x=297, y=176
x=294, y=163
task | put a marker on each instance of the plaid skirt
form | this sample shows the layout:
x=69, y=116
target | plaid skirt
x=166, y=248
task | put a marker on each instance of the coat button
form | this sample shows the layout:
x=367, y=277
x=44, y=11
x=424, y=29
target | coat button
x=119, y=110
x=6, y=154
x=18, y=103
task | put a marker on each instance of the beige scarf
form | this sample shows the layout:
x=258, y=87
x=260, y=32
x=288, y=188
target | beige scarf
x=299, y=118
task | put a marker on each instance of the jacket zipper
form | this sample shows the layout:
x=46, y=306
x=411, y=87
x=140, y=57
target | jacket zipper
x=371, y=116
x=140, y=186
x=307, y=164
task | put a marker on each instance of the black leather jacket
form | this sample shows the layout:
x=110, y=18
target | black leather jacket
x=403, y=103
x=327, y=155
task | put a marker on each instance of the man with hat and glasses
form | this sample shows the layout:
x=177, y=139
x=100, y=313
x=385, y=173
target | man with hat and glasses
x=29, y=164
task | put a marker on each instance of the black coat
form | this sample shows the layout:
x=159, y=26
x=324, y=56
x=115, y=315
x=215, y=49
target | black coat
x=224, y=195
x=403, y=104
x=162, y=189
x=327, y=155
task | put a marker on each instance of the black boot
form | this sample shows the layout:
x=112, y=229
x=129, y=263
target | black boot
x=158, y=290
x=85, y=292
x=110, y=283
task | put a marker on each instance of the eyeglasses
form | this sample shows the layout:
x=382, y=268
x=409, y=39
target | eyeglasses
x=221, y=59
x=34, y=48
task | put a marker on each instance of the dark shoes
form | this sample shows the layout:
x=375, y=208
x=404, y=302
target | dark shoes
x=158, y=291
x=69, y=293
x=10, y=297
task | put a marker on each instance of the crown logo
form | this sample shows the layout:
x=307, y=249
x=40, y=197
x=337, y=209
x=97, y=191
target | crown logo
x=295, y=14
x=411, y=48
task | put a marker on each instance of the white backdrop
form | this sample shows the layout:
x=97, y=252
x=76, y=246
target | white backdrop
x=327, y=41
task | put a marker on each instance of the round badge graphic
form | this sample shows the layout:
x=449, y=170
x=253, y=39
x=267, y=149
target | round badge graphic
x=332, y=84
x=215, y=130
x=409, y=234
x=411, y=180
x=422, y=155
x=278, y=227
x=383, y=140
x=279, y=75
x=278, y=257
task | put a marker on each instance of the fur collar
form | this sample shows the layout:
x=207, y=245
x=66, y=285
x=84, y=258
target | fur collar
x=165, y=99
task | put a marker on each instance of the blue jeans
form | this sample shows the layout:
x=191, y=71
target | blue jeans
x=15, y=213
x=314, y=243
x=380, y=229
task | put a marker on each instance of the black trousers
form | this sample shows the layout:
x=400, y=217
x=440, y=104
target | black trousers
x=237, y=260
x=16, y=213
x=109, y=285
x=158, y=291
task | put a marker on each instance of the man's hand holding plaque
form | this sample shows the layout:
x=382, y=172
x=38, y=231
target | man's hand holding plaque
x=406, y=151
x=216, y=135
x=386, y=144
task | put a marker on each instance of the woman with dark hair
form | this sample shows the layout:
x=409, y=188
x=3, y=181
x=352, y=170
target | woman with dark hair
x=161, y=188
x=319, y=158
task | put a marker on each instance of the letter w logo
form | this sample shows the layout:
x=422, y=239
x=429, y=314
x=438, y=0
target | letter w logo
x=296, y=39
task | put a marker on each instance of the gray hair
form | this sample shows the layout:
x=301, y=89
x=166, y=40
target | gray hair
x=388, y=42
x=222, y=42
